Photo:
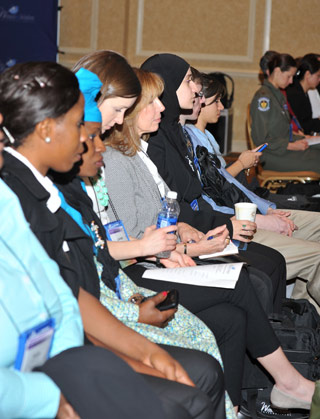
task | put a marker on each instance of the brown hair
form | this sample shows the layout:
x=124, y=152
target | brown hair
x=125, y=138
x=114, y=72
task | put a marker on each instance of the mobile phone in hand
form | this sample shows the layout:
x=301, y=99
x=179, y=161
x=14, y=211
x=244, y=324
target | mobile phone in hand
x=171, y=301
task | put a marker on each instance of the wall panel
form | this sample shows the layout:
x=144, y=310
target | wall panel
x=212, y=35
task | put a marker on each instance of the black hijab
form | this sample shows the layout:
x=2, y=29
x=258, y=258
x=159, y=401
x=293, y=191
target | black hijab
x=172, y=70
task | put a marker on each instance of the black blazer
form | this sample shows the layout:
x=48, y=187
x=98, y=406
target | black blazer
x=76, y=268
x=79, y=200
x=173, y=165
x=301, y=106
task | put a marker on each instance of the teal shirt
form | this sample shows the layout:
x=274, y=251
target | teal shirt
x=31, y=290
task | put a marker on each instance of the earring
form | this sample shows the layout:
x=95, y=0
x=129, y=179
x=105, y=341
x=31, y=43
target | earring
x=47, y=140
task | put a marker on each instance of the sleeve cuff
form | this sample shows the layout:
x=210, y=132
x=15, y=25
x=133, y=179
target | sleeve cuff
x=29, y=395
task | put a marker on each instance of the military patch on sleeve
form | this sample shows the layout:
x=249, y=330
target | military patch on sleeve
x=263, y=104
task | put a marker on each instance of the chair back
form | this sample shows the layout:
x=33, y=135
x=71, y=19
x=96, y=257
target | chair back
x=251, y=145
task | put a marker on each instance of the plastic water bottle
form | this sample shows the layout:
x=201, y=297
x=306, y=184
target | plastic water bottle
x=168, y=216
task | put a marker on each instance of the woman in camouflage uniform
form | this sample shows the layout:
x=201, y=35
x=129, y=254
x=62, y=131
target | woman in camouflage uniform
x=271, y=122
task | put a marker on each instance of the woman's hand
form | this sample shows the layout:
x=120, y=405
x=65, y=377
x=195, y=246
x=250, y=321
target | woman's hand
x=149, y=314
x=299, y=145
x=158, y=240
x=171, y=369
x=243, y=230
x=249, y=158
x=274, y=222
x=188, y=233
x=66, y=411
x=279, y=212
x=177, y=260
x=214, y=241
x=219, y=238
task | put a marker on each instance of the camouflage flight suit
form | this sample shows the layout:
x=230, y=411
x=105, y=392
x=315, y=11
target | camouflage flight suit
x=271, y=124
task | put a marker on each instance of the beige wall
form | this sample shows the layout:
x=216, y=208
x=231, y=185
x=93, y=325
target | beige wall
x=219, y=35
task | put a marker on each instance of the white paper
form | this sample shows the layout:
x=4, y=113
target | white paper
x=224, y=275
x=313, y=140
x=231, y=249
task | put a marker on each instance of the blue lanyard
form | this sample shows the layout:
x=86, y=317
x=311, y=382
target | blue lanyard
x=77, y=217
x=290, y=133
x=296, y=122
x=117, y=280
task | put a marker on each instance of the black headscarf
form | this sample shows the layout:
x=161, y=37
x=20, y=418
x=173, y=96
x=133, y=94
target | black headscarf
x=172, y=70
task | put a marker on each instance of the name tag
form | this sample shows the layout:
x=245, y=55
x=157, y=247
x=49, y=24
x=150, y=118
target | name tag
x=34, y=346
x=194, y=205
x=116, y=231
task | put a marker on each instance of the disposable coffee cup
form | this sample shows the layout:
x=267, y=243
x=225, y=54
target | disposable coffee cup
x=245, y=211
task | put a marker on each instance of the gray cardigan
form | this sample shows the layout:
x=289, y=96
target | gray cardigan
x=133, y=191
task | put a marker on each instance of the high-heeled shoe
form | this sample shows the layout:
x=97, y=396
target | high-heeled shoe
x=283, y=400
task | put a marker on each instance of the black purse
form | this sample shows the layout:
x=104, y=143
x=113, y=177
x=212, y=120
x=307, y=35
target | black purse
x=216, y=185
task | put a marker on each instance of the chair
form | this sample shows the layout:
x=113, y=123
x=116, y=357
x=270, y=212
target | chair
x=272, y=179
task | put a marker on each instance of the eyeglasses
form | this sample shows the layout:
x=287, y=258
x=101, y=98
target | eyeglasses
x=199, y=94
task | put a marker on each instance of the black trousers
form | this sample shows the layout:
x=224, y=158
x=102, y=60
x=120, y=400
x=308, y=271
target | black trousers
x=207, y=400
x=236, y=318
x=99, y=384
x=272, y=263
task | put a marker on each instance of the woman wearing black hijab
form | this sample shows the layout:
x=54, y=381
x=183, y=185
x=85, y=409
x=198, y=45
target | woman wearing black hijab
x=168, y=148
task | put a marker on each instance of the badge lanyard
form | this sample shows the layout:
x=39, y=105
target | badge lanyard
x=117, y=279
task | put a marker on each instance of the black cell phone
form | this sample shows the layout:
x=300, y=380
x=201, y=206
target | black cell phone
x=171, y=301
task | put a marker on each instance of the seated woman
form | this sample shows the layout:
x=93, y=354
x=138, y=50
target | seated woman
x=48, y=137
x=127, y=172
x=307, y=78
x=271, y=122
x=270, y=221
x=246, y=159
x=265, y=73
x=33, y=293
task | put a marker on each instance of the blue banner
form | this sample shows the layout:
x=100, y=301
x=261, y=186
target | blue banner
x=28, y=31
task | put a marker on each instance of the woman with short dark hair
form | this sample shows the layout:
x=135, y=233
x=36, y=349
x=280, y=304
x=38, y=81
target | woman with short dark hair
x=307, y=78
x=271, y=122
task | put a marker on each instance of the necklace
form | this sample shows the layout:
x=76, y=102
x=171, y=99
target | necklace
x=98, y=241
x=101, y=190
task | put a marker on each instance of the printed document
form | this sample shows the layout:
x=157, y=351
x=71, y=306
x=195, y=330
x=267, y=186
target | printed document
x=224, y=275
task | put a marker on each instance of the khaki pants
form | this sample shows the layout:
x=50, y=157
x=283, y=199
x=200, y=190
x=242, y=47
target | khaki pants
x=301, y=252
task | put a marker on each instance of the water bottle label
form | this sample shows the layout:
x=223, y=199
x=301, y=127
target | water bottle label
x=165, y=221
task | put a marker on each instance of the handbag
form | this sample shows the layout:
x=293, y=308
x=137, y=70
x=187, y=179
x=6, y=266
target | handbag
x=214, y=184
